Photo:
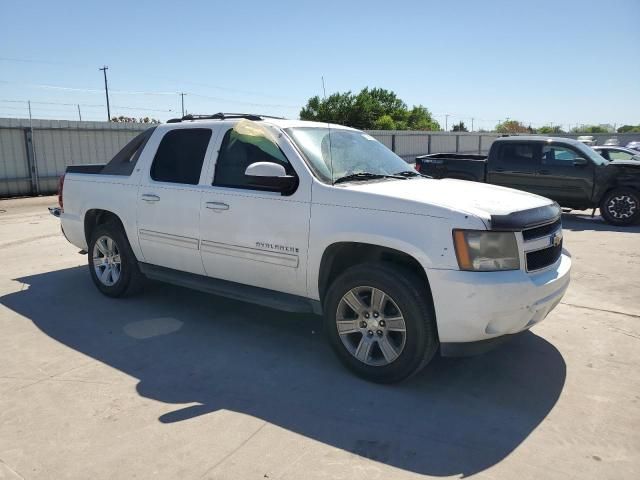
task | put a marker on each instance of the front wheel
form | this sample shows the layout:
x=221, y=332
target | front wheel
x=380, y=321
x=621, y=207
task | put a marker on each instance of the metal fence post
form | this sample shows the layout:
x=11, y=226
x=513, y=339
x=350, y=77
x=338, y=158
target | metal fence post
x=31, y=160
x=393, y=142
x=479, y=144
x=429, y=143
x=457, y=143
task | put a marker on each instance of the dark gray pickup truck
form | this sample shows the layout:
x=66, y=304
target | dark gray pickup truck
x=565, y=170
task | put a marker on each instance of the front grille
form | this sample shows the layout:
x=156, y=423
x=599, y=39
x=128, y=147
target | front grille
x=543, y=258
x=542, y=231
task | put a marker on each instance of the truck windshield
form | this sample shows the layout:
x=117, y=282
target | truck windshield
x=336, y=153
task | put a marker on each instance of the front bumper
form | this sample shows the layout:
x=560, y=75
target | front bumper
x=478, y=306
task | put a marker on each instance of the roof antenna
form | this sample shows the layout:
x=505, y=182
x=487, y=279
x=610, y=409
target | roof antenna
x=324, y=91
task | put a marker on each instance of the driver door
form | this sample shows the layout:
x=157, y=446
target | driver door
x=565, y=179
x=250, y=236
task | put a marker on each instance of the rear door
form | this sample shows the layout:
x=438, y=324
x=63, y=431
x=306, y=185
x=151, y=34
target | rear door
x=169, y=200
x=515, y=165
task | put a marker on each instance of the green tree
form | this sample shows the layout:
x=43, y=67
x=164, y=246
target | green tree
x=512, y=126
x=420, y=118
x=337, y=108
x=123, y=119
x=459, y=127
x=629, y=129
x=385, y=122
x=589, y=129
x=374, y=108
x=547, y=129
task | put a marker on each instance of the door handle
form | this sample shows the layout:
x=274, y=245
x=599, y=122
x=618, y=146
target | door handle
x=544, y=172
x=149, y=197
x=498, y=169
x=217, y=206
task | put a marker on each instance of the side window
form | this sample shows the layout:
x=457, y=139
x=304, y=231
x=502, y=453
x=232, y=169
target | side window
x=553, y=155
x=240, y=148
x=618, y=155
x=180, y=156
x=516, y=154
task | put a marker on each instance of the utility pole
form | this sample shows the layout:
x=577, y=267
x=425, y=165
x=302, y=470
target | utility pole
x=32, y=143
x=182, y=97
x=106, y=90
x=446, y=122
x=79, y=113
x=472, y=123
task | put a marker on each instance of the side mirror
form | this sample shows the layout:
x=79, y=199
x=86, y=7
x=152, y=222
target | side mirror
x=270, y=176
x=580, y=162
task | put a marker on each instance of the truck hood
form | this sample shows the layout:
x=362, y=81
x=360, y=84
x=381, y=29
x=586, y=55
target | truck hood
x=624, y=163
x=448, y=197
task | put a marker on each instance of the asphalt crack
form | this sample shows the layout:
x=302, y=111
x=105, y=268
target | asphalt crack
x=11, y=469
x=230, y=454
x=617, y=312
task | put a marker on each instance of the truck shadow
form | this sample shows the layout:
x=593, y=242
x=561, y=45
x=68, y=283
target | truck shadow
x=459, y=416
x=584, y=222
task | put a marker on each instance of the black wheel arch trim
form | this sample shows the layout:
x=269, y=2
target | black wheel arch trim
x=373, y=253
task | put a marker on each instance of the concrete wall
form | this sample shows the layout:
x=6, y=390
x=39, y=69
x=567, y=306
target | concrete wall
x=408, y=145
x=32, y=157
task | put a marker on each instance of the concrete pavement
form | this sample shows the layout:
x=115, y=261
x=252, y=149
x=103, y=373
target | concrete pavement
x=178, y=384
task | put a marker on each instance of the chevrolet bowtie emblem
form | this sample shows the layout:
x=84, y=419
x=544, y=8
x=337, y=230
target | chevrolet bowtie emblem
x=556, y=239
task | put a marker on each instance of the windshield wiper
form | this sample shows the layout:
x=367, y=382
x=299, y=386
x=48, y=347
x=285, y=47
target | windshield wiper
x=365, y=176
x=411, y=173
x=408, y=173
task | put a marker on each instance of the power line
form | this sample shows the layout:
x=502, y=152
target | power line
x=87, y=105
x=220, y=99
x=48, y=62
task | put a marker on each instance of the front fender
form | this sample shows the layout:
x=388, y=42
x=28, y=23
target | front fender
x=427, y=239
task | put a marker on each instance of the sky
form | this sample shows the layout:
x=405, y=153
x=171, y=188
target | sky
x=561, y=62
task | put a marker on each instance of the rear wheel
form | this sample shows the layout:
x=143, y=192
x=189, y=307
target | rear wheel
x=380, y=322
x=112, y=264
x=621, y=207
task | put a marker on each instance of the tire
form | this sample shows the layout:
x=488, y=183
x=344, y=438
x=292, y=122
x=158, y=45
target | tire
x=364, y=339
x=621, y=207
x=109, y=244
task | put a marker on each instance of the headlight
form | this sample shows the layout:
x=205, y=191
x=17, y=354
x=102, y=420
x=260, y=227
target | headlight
x=483, y=251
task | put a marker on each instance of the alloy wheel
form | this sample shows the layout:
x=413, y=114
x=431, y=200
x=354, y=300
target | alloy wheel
x=106, y=261
x=371, y=326
x=622, y=206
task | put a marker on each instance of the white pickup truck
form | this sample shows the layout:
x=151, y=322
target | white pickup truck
x=311, y=217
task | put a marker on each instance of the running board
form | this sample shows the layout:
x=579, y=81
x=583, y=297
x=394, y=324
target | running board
x=246, y=293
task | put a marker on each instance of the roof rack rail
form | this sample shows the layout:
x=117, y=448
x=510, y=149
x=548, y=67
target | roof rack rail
x=222, y=116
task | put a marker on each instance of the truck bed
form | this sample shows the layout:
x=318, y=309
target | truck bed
x=91, y=168
x=453, y=165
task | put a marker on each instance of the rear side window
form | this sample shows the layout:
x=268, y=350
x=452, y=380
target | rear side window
x=238, y=151
x=516, y=153
x=125, y=160
x=180, y=156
